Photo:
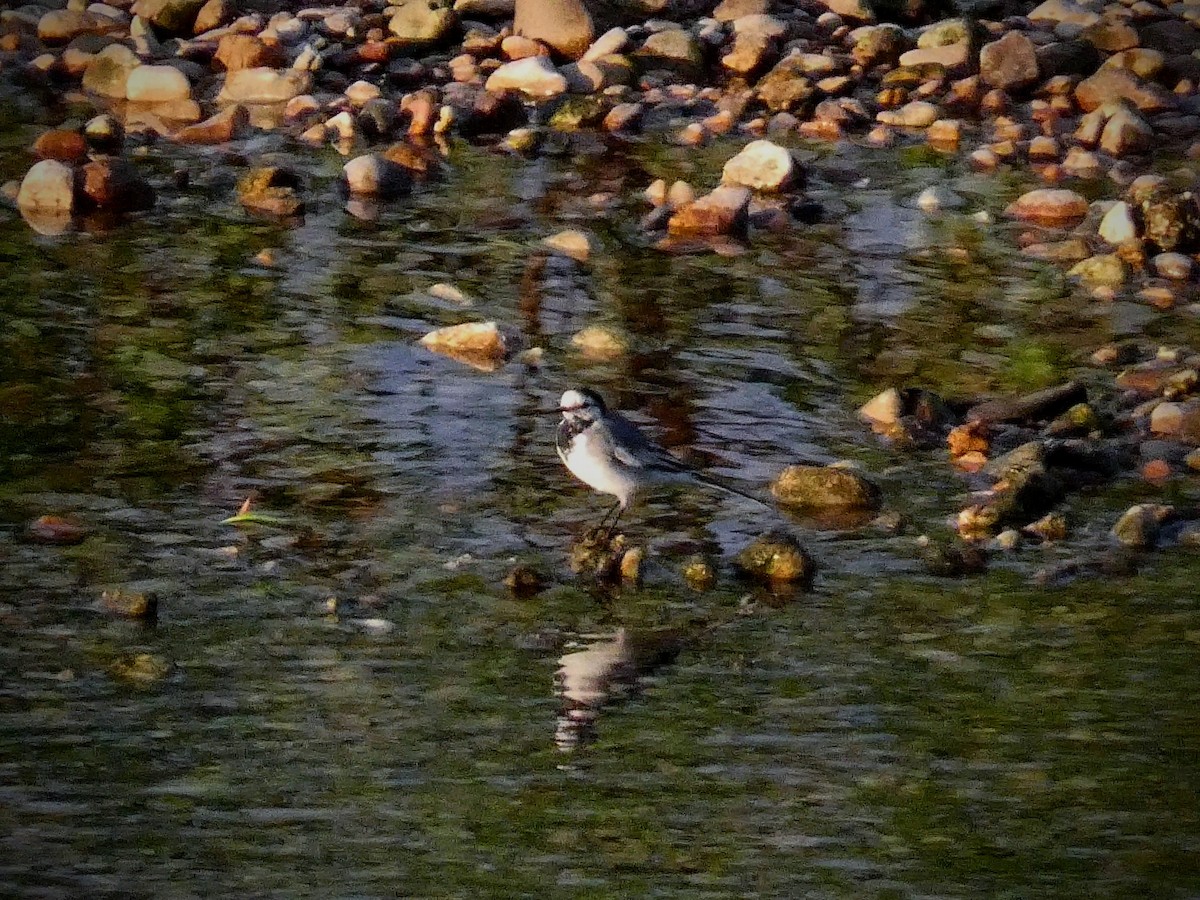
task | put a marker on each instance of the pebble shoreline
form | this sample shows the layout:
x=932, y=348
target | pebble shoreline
x=1069, y=91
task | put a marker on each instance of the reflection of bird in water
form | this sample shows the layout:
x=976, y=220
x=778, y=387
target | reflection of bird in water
x=589, y=678
x=610, y=454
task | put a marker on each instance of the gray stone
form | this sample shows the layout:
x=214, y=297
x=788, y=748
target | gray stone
x=1009, y=63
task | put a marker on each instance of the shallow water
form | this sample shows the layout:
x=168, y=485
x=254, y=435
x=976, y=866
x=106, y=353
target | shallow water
x=356, y=706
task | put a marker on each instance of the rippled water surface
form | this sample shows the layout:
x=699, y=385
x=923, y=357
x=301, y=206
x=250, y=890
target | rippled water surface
x=348, y=701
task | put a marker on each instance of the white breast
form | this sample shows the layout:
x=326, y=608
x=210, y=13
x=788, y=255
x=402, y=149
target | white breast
x=591, y=461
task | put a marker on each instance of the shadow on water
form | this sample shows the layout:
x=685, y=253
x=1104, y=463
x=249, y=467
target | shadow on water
x=342, y=698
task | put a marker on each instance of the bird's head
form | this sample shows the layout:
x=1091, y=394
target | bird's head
x=581, y=403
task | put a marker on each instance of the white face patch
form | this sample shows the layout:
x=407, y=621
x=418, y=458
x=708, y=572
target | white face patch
x=572, y=399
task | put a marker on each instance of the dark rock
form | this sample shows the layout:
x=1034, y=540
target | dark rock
x=786, y=88
x=170, y=16
x=1067, y=58
x=271, y=190
x=114, y=184
x=954, y=559
x=1037, y=406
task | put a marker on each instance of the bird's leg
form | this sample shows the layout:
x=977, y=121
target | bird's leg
x=617, y=508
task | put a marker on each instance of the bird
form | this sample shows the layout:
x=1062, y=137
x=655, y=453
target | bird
x=611, y=455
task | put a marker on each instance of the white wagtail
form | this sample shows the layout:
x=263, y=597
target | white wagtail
x=610, y=454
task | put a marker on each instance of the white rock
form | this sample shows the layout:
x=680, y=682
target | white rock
x=375, y=176
x=612, y=41
x=48, y=186
x=534, y=76
x=1175, y=266
x=157, y=84
x=1118, y=226
x=263, y=85
x=362, y=91
x=762, y=166
x=938, y=197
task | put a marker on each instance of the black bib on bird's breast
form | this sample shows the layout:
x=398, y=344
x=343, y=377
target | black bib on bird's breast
x=570, y=428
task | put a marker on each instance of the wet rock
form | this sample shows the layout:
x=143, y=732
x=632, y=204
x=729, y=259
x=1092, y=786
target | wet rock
x=1050, y=528
x=917, y=114
x=1121, y=84
x=786, y=87
x=534, y=77
x=422, y=22
x=944, y=133
x=699, y=573
x=56, y=530
x=171, y=16
x=61, y=144
x=157, y=84
x=563, y=25
x=760, y=166
x=851, y=10
x=1125, y=132
x=108, y=71
x=723, y=211
x=939, y=197
x=480, y=344
x=599, y=553
x=1048, y=206
x=777, y=557
x=129, y=604
x=822, y=487
x=1118, y=227
x=953, y=558
x=140, y=669
x=578, y=112
x=972, y=437
x=1175, y=266
x=600, y=343
x=374, y=175
x=1140, y=525
x=262, y=85
x=525, y=581
x=49, y=186
x=1032, y=407
x=572, y=242
x=112, y=183
x=272, y=191
x=218, y=129
x=247, y=51
x=1172, y=223
x=1102, y=270
x=878, y=44
x=1009, y=63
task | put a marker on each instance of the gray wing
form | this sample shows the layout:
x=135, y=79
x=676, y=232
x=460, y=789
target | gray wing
x=635, y=449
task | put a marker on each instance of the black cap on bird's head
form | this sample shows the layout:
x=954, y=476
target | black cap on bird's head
x=581, y=399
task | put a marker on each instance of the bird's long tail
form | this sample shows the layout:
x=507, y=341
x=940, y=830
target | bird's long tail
x=719, y=482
